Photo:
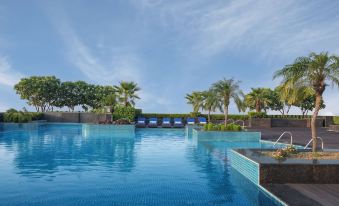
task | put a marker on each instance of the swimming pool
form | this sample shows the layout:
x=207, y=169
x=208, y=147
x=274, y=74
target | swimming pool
x=56, y=164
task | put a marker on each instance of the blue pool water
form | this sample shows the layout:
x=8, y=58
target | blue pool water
x=60, y=165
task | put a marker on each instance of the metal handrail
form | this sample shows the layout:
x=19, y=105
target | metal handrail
x=286, y=132
x=230, y=120
x=242, y=121
x=322, y=143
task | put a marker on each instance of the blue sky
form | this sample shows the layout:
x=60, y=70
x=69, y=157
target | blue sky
x=169, y=48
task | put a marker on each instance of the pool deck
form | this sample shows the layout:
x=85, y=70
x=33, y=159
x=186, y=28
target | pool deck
x=303, y=194
x=306, y=194
x=301, y=136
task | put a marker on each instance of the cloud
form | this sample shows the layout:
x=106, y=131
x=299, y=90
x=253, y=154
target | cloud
x=8, y=76
x=119, y=66
x=268, y=28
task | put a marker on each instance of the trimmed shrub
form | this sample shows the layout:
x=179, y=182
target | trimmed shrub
x=15, y=116
x=336, y=120
x=221, y=127
x=214, y=117
x=195, y=114
x=121, y=112
x=257, y=114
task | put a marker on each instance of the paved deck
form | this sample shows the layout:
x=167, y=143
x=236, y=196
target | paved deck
x=301, y=136
x=306, y=194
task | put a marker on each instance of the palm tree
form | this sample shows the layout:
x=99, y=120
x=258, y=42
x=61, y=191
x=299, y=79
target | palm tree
x=258, y=98
x=226, y=90
x=127, y=93
x=196, y=100
x=314, y=72
x=211, y=102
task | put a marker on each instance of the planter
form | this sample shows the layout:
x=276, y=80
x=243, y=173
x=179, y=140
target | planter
x=272, y=171
x=226, y=136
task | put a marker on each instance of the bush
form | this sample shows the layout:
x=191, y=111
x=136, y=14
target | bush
x=15, y=116
x=285, y=152
x=221, y=127
x=122, y=112
x=214, y=117
x=257, y=114
x=122, y=121
x=336, y=120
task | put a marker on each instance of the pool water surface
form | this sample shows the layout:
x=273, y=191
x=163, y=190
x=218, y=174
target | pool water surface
x=57, y=164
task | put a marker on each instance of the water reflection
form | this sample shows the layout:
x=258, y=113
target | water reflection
x=223, y=180
x=64, y=148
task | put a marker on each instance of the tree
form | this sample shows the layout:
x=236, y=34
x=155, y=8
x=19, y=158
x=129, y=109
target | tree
x=127, y=93
x=227, y=89
x=69, y=95
x=276, y=103
x=307, y=104
x=211, y=102
x=39, y=91
x=258, y=99
x=196, y=99
x=315, y=72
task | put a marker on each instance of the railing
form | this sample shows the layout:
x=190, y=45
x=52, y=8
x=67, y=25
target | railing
x=286, y=132
x=230, y=121
x=322, y=143
x=241, y=121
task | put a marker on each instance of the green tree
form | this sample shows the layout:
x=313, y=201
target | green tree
x=276, y=103
x=211, y=102
x=196, y=99
x=69, y=95
x=258, y=99
x=307, y=103
x=315, y=72
x=227, y=89
x=126, y=92
x=39, y=91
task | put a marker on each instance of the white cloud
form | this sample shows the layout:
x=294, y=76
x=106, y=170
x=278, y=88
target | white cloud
x=120, y=65
x=8, y=76
x=270, y=28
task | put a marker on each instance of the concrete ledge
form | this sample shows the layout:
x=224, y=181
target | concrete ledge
x=226, y=136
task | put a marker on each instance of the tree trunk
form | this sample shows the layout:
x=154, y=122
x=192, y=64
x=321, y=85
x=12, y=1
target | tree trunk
x=226, y=114
x=313, y=122
x=209, y=116
x=257, y=106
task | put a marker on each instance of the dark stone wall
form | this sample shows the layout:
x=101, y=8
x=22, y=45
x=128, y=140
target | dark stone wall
x=261, y=123
x=94, y=118
x=75, y=117
x=319, y=122
x=299, y=173
x=328, y=121
x=275, y=122
x=289, y=123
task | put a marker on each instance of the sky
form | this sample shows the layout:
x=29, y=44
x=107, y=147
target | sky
x=170, y=48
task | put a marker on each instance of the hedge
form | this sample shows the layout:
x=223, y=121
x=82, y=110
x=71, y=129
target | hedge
x=15, y=116
x=184, y=116
x=336, y=120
